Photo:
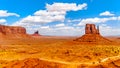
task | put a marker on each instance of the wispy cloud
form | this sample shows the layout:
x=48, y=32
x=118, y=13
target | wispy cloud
x=5, y=13
x=2, y=21
x=106, y=13
x=96, y=20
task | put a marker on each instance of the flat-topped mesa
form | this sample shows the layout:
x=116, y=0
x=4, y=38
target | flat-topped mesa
x=12, y=32
x=6, y=30
x=91, y=29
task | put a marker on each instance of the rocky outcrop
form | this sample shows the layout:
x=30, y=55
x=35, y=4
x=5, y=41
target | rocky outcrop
x=36, y=34
x=92, y=36
x=12, y=32
x=91, y=29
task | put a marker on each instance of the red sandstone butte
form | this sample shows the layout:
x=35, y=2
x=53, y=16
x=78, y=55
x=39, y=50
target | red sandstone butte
x=92, y=35
x=91, y=29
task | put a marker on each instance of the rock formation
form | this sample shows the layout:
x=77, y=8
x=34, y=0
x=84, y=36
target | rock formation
x=36, y=34
x=12, y=31
x=92, y=36
x=91, y=29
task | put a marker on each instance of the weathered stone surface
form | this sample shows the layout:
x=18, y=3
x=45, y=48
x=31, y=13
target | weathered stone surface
x=10, y=32
x=92, y=36
x=5, y=30
x=91, y=29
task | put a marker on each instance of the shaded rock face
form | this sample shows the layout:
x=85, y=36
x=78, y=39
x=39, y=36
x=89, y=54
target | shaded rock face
x=92, y=36
x=5, y=30
x=36, y=34
x=91, y=29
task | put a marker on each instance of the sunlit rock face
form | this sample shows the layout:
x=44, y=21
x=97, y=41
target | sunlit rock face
x=12, y=30
x=91, y=29
x=9, y=32
x=92, y=36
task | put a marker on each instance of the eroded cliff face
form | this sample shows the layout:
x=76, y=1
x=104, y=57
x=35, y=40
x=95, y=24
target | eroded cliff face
x=91, y=29
x=92, y=35
x=6, y=30
x=12, y=32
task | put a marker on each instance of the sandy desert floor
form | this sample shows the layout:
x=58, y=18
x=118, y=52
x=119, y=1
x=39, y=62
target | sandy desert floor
x=57, y=52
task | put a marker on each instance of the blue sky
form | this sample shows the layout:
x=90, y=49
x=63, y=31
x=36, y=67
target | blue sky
x=62, y=17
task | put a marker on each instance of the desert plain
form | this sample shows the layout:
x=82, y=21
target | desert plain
x=37, y=51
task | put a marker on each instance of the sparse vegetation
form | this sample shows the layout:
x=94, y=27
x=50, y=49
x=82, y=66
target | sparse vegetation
x=58, y=50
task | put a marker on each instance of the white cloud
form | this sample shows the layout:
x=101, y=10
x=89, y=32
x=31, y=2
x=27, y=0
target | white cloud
x=66, y=7
x=75, y=20
x=59, y=31
x=45, y=27
x=57, y=12
x=42, y=19
x=53, y=13
x=96, y=20
x=106, y=13
x=56, y=30
x=119, y=18
x=60, y=25
x=109, y=31
x=2, y=21
x=5, y=13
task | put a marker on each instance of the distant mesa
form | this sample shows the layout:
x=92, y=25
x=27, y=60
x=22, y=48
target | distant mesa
x=36, y=33
x=92, y=35
x=12, y=31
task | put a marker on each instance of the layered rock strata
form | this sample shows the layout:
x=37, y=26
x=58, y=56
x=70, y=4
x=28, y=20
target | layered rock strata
x=12, y=31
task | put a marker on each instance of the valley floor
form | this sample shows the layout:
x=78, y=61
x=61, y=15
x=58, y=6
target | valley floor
x=57, y=52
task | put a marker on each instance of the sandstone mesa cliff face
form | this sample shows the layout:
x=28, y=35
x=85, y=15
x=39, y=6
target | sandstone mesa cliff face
x=92, y=35
x=12, y=31
x=91, y=29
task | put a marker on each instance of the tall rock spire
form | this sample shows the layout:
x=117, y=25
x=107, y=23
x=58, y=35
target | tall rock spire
x=98, y=30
